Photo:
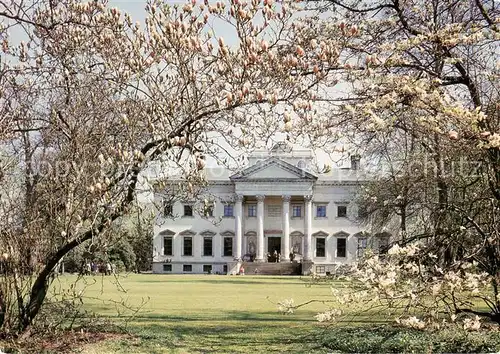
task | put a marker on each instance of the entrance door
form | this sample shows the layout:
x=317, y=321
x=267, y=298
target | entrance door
x=273, y=244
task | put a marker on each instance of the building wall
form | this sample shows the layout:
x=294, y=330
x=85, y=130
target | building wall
x=334, y=227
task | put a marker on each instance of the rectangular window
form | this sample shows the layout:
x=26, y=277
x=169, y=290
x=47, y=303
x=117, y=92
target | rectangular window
x=207, y=246
x=228, y=246
x=320, y=247
x=188, y=246
x=168, y=246
x=207, y=268
x=187, y=268
x=383, y=244
x=320, y=269
x=188, y=210
x=209, y=211
x=168, y=210
x=296, y=211
x=167, y=267
x=252, y=210
x=321, y=211
x=341, y=247
x=342, y=211
x=228, y=210
x=362, y=243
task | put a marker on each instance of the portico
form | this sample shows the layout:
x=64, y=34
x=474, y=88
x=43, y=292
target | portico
x=258, y=241
x=272, y=184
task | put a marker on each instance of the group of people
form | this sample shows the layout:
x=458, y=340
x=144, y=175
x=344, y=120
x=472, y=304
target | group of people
x=93, y=268
x=274, y=258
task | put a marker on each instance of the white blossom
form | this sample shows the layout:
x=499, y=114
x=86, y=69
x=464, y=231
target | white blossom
x=286, y=306
x=328, y=316
x=472, y=324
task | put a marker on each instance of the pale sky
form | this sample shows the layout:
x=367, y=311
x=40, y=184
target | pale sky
x=136, y=9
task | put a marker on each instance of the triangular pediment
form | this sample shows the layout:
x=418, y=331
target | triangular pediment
x=341, y=234
x=207, y=233
x=320, y=234
x=273, y=169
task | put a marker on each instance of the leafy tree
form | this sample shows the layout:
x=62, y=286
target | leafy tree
x=122, y=255
x=141, y=241
x=90, y=101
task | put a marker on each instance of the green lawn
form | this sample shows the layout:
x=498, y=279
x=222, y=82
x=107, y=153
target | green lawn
x=209, y=313
x=235, y=314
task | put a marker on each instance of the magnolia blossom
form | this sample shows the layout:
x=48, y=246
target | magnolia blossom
x=453, y=135
x=286, y=306
x=328, y=316
x=412, y=322
x=395, y=250
x=382, y=280
x=408, y=250
x=472, y=324
x=494, y=141
x=436, y=289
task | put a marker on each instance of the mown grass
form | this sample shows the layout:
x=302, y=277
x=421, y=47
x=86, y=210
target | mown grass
x=238, y=314
x=208, y=313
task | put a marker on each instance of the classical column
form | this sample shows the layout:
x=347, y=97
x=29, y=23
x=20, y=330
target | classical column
x=308, y=228
x=286, y=228
x=238, y=231
x=260, y=228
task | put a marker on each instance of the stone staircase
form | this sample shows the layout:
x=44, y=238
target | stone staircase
x=285, y=268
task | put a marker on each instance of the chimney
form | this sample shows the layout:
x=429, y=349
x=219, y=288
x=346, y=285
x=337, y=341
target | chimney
x=355, y=162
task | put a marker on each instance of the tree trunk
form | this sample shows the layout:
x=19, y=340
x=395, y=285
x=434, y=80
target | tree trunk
x=42, y=282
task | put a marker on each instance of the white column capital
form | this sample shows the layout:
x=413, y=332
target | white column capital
x=238, y=197
x=260, y=198
x=286, y=198
x=308, y=198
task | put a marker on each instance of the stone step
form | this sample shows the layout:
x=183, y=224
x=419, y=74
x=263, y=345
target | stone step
x=272, y=268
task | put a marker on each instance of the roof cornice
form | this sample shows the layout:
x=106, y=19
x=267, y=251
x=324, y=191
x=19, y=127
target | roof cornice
x=245, y=173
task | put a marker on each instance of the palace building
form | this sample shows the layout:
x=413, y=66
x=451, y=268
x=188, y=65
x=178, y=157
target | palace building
x=273, y=211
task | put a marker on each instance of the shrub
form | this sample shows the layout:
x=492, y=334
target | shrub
x=387, y=339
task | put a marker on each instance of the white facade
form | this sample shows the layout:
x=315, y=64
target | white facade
x=274, y=204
